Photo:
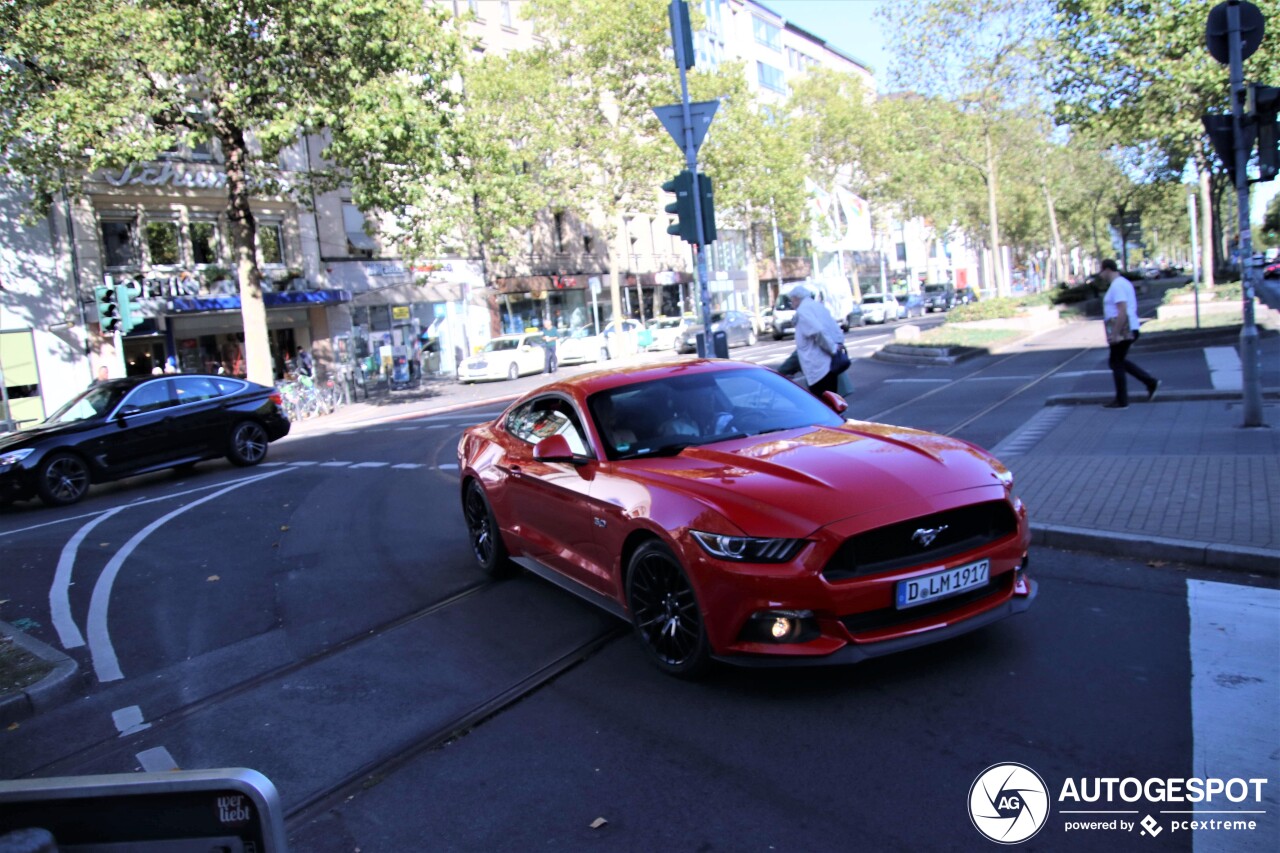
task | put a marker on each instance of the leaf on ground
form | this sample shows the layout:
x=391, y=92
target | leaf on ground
x=13, y=727
x=1157, y=564
x=284, y=527
x=213, y=578
x=598, y=822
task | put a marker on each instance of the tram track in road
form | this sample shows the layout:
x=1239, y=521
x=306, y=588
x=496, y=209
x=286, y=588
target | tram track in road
x=75, y=762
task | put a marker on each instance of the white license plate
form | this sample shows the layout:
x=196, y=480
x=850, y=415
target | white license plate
x=928, y=588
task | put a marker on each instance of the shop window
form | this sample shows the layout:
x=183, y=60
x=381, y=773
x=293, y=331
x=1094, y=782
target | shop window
x=162, y=244
x=119, y=247
x=204, y=242
x=270, y=242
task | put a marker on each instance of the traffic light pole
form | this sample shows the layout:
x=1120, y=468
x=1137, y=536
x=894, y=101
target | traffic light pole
x=1249, y=350
x=691, y=157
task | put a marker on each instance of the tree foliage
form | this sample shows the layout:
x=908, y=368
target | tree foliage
x=100, y=84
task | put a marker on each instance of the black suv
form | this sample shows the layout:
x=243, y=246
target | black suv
x=938, y=297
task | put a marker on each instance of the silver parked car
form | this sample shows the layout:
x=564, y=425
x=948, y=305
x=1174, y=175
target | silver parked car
x=736, y=325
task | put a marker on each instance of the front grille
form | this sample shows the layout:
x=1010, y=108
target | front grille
x=891, y=547
x=890, y=617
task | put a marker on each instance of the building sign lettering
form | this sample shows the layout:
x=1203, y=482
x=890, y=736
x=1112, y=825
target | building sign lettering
x=166, y=174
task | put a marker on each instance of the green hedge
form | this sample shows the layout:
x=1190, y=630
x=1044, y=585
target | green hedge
x=996, y=309
x=1231, y=290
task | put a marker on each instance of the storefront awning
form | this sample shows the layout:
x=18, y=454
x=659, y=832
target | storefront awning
x=194, y=304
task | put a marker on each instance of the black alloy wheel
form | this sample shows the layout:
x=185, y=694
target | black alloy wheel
x=248, y=445
x=482, y=532
x=63, y=479
x=665, y=612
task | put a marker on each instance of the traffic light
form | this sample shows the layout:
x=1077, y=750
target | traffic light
x=708, y=209
x=1261, y=106
x=685, y=226
x=108, y=302
x=124, y=300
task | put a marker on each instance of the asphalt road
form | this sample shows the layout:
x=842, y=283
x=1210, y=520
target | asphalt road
x=319, y=619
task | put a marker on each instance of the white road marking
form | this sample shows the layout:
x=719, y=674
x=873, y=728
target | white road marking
x=408, y=466
x=300, y=464
x=60, y=592
x=406, y=429
x=335, y=464
x=105, y=664
x=370, y=465
x=157, y=760
x=129, y=720
x=1224, y=368
x=449, y=466
x=1235, y=685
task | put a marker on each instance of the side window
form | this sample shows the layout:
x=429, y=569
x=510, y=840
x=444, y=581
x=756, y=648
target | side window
x=151, y=396
x=189, y=389
x=545, y=417
x=226, y=386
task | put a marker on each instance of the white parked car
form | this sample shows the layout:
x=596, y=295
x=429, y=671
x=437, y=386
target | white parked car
x=622, y=338
x=582, y=346
x=666, y=331
x=506, y=357
x=880, y=308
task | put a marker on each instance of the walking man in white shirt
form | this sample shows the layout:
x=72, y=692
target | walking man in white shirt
x=1120, y=316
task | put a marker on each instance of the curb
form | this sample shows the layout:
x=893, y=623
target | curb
x=1240, y=558
x=53, y=689
x=1097, y=399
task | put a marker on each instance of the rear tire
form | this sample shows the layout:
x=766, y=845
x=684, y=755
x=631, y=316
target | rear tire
x=665, y=612
x=248, y=444
x=62, y=479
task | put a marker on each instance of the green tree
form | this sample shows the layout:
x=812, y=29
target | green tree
x=976, y=55
x=1139, y=72
x=100, y=84
x=595, y=145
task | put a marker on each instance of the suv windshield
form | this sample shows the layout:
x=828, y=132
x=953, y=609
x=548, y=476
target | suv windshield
x=935, y=288
x=872, y=300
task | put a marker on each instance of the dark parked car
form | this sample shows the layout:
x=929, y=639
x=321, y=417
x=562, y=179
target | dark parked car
x=124, y=427
x=938, y=297
x=736, y=326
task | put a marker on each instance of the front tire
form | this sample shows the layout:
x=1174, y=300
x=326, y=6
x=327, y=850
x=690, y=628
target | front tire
x=62, y=479
x=665, y=612
x=483, y=533
x=752, y=338
x=248, y=444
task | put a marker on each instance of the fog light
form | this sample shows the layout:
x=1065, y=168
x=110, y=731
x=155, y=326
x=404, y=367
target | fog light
x=780, y=626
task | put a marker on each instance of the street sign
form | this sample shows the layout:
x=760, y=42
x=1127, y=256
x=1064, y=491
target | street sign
x=700, y=113
x=1252, y=27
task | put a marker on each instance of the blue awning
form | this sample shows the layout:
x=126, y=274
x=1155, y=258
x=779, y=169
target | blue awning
x=289, y=299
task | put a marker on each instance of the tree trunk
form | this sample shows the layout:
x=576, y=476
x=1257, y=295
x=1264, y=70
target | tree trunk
x=244, y=231
x=615, y=271
x=997, y=262
x=1058, y=273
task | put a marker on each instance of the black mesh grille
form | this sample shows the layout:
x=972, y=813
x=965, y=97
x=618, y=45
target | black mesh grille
x=896, y=546
x=890, y=616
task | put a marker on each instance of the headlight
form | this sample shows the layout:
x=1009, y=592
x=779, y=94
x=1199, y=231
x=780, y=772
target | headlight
x=9, y=458
x=746, y=549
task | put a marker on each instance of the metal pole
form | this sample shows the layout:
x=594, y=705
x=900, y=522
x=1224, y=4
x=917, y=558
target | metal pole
x=1249, y=351
x=1195, y=254
x=691, y=157
x=777, y=251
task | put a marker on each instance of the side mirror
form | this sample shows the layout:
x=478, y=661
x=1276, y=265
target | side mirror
x=834, y=402
x=556, y=448
x=128, y=411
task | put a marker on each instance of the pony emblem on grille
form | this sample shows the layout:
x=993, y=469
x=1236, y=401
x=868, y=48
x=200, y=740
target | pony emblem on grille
x=924, y=536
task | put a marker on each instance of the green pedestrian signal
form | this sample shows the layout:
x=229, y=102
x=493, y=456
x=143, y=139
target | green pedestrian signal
x=685, y=225
x=107, y=301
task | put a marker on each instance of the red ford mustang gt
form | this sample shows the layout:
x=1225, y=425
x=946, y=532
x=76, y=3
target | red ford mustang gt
x=728, y=514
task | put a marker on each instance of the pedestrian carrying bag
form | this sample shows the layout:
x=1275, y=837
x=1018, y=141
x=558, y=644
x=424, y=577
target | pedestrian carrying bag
x=840, y=360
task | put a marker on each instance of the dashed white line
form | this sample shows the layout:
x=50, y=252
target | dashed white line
x=335, y=464
x=408, y=466
x=129, y=720
x=370, y=465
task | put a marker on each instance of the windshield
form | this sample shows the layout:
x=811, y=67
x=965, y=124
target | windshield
x=783, y=303
x=665, y=323
x=665, y=416
x=872, y=300
x=96, y=402
x=935, y=288
x=499, y=344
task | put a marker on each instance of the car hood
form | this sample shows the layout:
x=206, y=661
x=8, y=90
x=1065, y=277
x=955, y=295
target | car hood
x=31, y=435
x=794, y=482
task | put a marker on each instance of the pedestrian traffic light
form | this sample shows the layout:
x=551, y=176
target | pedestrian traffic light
x=107, y=301
x=685, y=225
x=1261, y=105
x=708, y=201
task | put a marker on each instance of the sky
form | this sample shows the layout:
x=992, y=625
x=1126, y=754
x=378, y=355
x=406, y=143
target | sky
x=847, y=25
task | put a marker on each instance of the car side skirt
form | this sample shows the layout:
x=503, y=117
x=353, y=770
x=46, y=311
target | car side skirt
x=568, y=585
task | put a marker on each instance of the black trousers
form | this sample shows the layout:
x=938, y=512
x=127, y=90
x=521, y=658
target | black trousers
x=1120, y=365
x=830, y=382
